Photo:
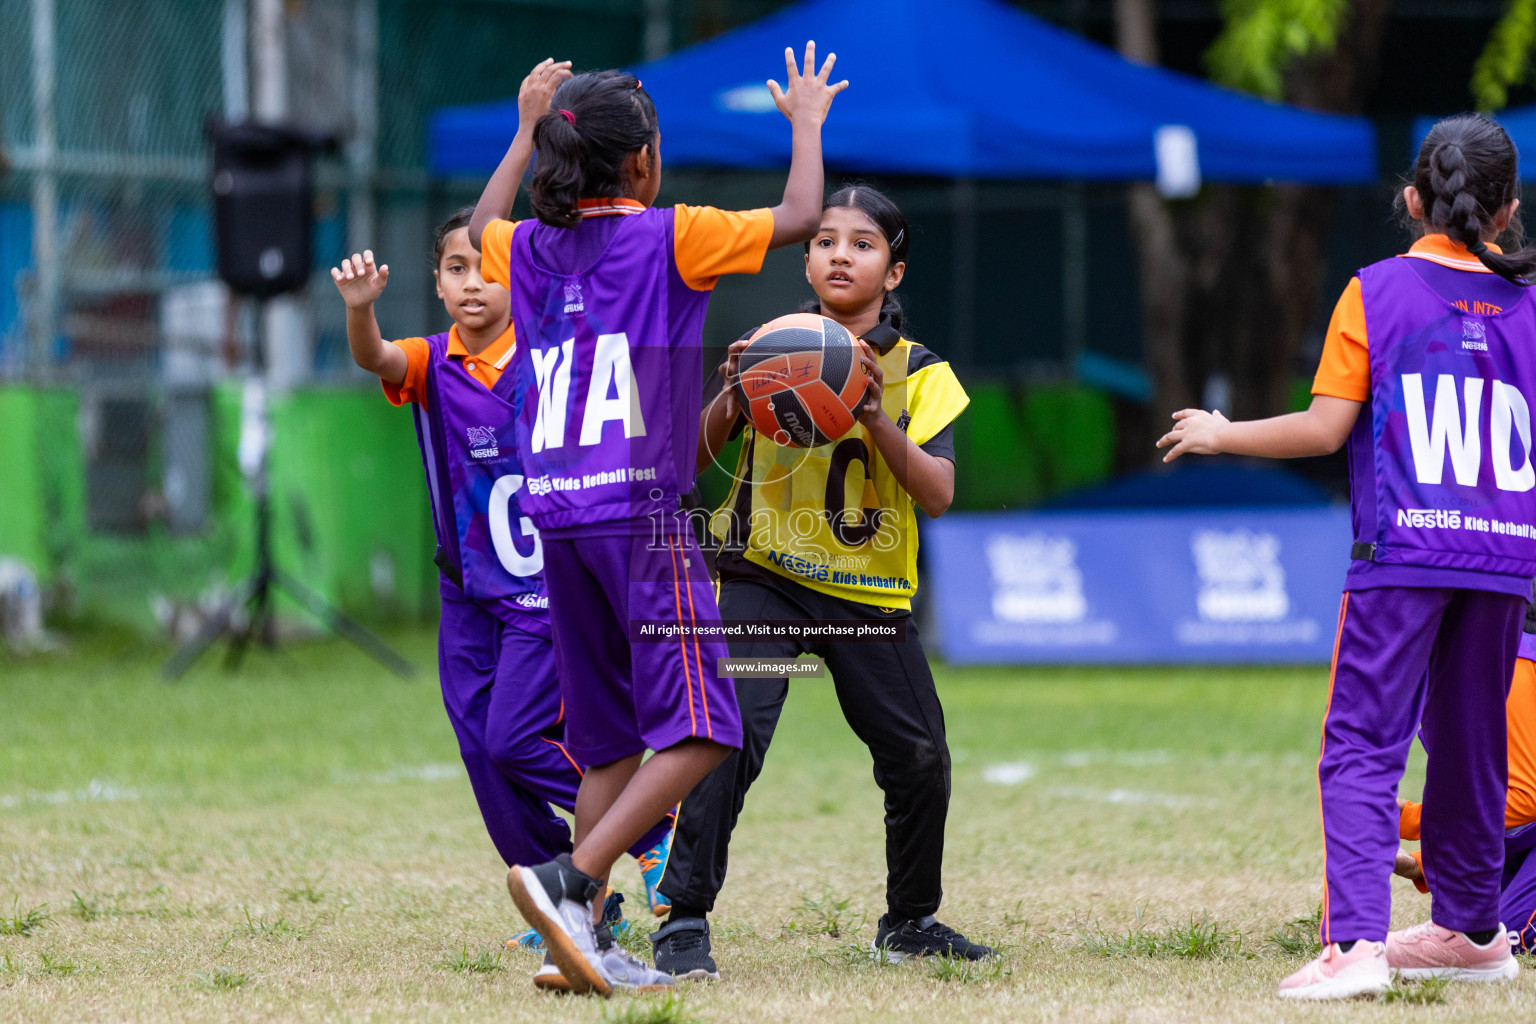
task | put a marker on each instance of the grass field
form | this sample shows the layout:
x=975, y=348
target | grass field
x=298, y=842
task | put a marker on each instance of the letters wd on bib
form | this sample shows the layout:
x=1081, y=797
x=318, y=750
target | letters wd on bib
x=1256, y=585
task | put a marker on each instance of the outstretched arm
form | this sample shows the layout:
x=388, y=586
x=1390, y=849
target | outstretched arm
x=361, y=283
x=805, y=100
x=533, y=99
x=1321, y=430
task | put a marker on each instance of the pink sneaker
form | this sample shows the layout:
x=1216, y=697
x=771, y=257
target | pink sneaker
x=1335, y=974
x=1430, y=951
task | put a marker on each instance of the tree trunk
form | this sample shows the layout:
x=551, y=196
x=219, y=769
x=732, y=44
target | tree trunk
x=1229, y=281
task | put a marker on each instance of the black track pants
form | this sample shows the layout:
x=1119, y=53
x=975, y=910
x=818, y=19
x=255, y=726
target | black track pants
x=887, y=695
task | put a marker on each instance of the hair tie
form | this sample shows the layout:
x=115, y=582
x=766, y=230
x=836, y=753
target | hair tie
x=568, y=116
x=637, y=83
x=1478, y=247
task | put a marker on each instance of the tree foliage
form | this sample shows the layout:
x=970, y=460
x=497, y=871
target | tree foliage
x=1506, y=60
x=1261, y=39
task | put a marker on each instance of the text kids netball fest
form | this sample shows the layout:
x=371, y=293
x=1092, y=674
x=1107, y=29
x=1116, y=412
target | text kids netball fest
x=696, y=511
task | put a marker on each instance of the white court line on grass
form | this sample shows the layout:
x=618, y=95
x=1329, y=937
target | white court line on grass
x=437, y=772
x=1131, y=796
x=95, y=791
x=1009, y=773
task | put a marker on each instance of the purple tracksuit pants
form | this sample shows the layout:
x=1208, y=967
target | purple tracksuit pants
x=503, y=700
x=1405, y=656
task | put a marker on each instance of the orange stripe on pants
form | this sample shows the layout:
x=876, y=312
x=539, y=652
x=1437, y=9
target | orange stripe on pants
x=1333, y=669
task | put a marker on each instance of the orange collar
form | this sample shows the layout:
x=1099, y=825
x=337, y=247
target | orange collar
x=606, y=207
x=497, y=353
x=1439, y=248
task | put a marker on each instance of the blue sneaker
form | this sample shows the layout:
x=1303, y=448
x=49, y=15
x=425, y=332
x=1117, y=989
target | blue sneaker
x=613, y=917
x=529, y=939
x=613, y=914
x=653, y=864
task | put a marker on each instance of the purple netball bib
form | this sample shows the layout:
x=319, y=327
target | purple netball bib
x=609, y=369
x=488, y=547
x=1451, y=394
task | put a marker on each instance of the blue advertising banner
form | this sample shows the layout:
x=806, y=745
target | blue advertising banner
x=1217, y=586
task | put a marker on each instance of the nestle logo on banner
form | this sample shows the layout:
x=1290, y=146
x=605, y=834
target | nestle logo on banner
x=482, y=442
x=1035, y=579
x=573, y=302
x=1429, y=518
x=1241, y=579
x=1473, y=336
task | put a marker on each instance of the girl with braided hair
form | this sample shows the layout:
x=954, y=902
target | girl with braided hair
x=1435, y=407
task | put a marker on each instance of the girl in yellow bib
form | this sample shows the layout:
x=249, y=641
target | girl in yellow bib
x=830, y=534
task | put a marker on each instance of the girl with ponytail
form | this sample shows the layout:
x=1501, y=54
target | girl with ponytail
x=1434, y=402
x=608, y=296
x=830, y=534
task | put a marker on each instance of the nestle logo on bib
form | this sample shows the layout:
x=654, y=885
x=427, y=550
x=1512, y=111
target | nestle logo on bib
x=1429, y=518
x=1473, y=336
x=573, y=303
x=482, y=442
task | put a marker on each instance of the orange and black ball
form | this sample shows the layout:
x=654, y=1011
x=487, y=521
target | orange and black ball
x=800, y=380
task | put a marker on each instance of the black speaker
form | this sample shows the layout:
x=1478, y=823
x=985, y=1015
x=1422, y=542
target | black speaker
x=264, y=205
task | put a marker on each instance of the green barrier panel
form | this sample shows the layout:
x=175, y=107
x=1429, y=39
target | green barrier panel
x=1018, y=449
x=350, y=513
x=23, y=516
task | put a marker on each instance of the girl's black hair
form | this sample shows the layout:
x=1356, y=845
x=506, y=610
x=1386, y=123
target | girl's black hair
x=582, y=155
x=460, y=219
x=1466, y=173
x=886, y=216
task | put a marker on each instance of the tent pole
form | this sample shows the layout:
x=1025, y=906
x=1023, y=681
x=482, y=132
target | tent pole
x=962, y=298
x=658, y=29
x=46, y=261
x=1074, y=272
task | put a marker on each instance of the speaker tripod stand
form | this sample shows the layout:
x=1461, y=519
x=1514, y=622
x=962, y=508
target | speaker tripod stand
x=253, y=597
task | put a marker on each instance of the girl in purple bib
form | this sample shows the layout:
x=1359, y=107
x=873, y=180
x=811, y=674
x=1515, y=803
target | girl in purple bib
x=1436, y=410
x=495, y=653
x=608, y=299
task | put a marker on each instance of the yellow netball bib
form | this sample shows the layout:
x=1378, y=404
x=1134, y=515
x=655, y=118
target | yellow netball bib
x=834, y=518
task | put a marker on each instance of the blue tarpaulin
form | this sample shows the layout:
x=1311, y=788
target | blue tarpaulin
x=954, y=88
x=1519, y=122
x=1188, y=586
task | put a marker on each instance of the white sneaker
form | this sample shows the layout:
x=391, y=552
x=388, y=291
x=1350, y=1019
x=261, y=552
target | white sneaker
x=549, y=978
x=630, y=972
x=1335, y=974
x=550, y=898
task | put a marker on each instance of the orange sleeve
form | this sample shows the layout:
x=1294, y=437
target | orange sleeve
x=1521, y=707
x=495, y=251
x=1408, y=821
x=710, y=243
x=413, y=388
x=1345, y=369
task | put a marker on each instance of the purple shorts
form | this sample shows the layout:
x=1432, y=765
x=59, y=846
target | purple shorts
x=623, y=697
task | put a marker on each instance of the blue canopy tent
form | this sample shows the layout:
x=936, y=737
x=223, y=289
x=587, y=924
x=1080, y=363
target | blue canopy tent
x=1519, y=122
x=959, y=88
x=966, y=90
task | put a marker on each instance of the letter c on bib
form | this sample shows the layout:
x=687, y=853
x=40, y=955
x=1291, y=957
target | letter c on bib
x=513, y=560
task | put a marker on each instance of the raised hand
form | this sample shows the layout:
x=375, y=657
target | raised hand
x=538, y=90
x=871, y=407
x=806, y=97
x=1195, y=431
x=730, y=370
x=359, y=280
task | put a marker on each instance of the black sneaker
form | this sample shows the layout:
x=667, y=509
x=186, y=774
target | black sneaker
x=902, y=940
x=681, y=949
